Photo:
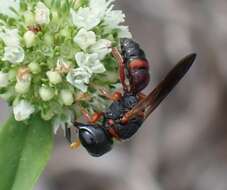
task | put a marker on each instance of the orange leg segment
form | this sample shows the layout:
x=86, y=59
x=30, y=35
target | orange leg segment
x=114, y=97
x=75, y=145
x=117, y=55
x=92, y=119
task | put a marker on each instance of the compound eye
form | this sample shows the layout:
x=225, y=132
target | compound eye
x=87, y=138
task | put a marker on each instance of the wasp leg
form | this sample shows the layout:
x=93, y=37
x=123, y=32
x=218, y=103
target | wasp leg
x=117, y=55
x=68, y=134
x=75, y=144
x=114, y=97
x=92, y=119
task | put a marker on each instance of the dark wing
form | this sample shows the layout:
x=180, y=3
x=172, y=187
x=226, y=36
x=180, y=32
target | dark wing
x=153, y=100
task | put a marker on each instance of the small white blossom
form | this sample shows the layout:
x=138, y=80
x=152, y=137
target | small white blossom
x=5, y=7
x=85, y=18
x=10, y=37
x=22, y=87
x=63, y=120
x=29, y=38
x=13, y=54
x=102, y=48
x=29, y=18
x=114, y=18
x=4, y=79
x=79, y=78
x=124, y=32
x=85, y=38
x=22, y=110
x=67, y=97
x=42, y=14
x=54, y=77
x=100, y=7
x=90, y=62
x=46, y=93
x=24, y=79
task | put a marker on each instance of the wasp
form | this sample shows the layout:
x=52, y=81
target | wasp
x=122, y=119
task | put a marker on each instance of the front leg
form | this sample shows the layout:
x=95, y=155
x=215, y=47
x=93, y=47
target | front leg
x=116, y=96
x=91, y=119
x=68, y=135
x=118, y=57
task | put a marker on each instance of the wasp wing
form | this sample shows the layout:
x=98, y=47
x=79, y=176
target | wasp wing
x=152, y=101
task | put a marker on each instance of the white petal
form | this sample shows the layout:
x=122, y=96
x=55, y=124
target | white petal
x=124, y=32
x=13, y=54
x=79, y=78
x=4, y=79
x=22, y=110
x=90, y=62
x=85, y=18
x=114, y=18
x=42, y=14
x=85, y=38
x=10, y=37
x=4, y=8
x=100, y=6
x=98, y=68
x=102, y=48
x=81, y=59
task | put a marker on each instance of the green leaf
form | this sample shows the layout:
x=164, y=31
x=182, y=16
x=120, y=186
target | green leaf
x=24, y=151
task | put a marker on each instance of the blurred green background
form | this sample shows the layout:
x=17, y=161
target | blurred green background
x=183, y=145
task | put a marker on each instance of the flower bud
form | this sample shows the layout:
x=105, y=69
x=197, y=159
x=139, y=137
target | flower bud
x=4, y=79
x=22, y=87
x=46, y=93
x=67, y=97
x=42, y=14
x=54, y=77
x=29, y=18
x=29, y=38
x=34, y=67
x=23, y=74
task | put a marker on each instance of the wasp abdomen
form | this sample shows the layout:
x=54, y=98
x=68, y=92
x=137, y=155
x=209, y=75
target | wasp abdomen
x=131, y=50
x=136, y=64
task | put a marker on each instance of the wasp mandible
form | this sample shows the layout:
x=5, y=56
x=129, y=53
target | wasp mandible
x=122, y=119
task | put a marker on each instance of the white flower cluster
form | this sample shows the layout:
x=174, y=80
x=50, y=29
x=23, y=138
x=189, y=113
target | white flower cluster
x=63, y=50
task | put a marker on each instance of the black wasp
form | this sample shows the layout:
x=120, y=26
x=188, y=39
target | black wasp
x=129, y=110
